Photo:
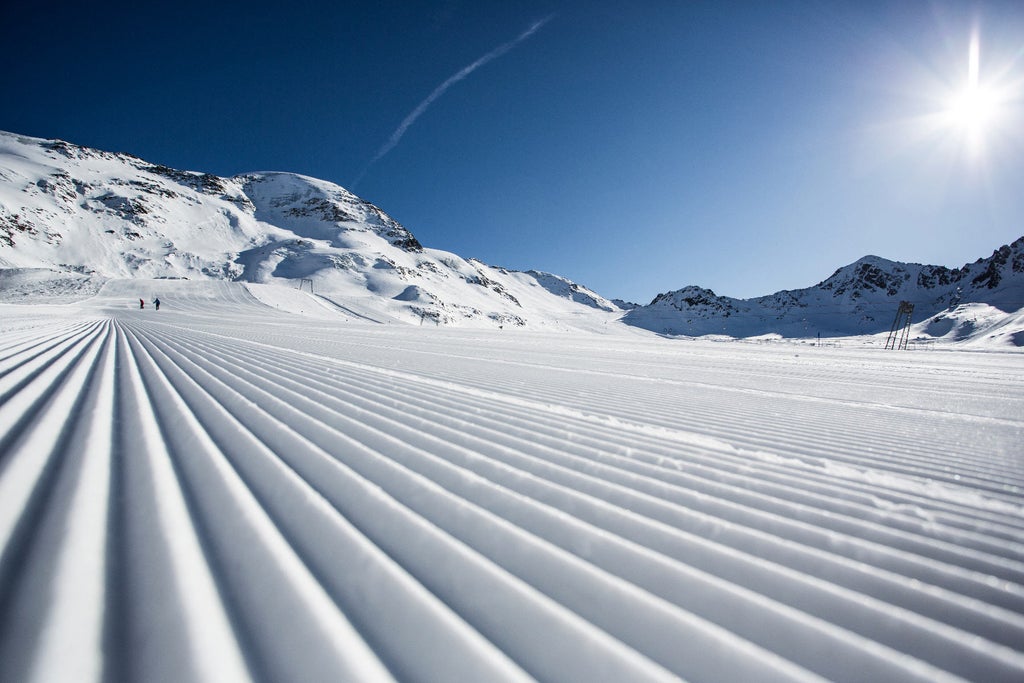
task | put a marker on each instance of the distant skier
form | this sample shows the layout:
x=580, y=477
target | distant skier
x=142, y=303
x=156, y=302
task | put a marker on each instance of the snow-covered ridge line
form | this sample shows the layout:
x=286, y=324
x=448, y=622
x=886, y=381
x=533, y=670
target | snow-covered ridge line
x=862, y=298
x=430, y=504
x=74, y=214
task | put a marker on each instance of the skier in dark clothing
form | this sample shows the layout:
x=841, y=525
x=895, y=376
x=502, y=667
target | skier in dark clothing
x=156, y=302
x=142, y=304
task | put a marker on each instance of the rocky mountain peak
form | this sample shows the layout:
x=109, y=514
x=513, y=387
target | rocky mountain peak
x=319, y=209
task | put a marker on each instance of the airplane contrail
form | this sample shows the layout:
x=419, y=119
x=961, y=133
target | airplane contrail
x=440, y=90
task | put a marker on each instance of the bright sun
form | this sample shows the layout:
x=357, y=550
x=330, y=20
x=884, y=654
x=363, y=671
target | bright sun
x=975, y=108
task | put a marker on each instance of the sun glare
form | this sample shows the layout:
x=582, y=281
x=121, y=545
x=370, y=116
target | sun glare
x=974, y=109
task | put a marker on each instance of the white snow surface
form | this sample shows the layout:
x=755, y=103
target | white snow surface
x=257, y=483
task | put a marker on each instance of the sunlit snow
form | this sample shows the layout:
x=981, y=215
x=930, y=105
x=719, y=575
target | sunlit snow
x=259, y=483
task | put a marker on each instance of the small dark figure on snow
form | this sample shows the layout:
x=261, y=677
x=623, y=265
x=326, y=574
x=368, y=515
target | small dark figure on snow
x=142, y=304
x=156, y=302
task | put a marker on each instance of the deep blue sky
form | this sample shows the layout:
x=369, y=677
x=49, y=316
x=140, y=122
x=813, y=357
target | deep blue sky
x=633, y=147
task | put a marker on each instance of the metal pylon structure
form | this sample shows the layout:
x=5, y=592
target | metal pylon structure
x=900, y=332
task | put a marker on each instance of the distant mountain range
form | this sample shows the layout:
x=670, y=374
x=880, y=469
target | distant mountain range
x=860, y=298
x=81, y=216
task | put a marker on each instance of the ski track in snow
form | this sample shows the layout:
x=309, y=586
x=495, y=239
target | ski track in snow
x=221, y=491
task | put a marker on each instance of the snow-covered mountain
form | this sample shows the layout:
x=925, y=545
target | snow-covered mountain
x=81, y=216
x=73, y=217
x=861, y=298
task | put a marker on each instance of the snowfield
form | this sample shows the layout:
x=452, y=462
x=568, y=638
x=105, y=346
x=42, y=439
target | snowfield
x=224, y=490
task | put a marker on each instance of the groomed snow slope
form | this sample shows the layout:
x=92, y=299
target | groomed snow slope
x=223, y=491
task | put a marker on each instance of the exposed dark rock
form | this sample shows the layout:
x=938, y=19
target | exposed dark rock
x=483, y=281
x=14, y=224
x=410, y=243
x=207, y=183
x=992, y=274
x=60, y=186
x=152, y=188
x=322, y=209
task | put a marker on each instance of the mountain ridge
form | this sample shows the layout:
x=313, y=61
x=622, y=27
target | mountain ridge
x=76, y=210
x=85, y=213
x=859, y=298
